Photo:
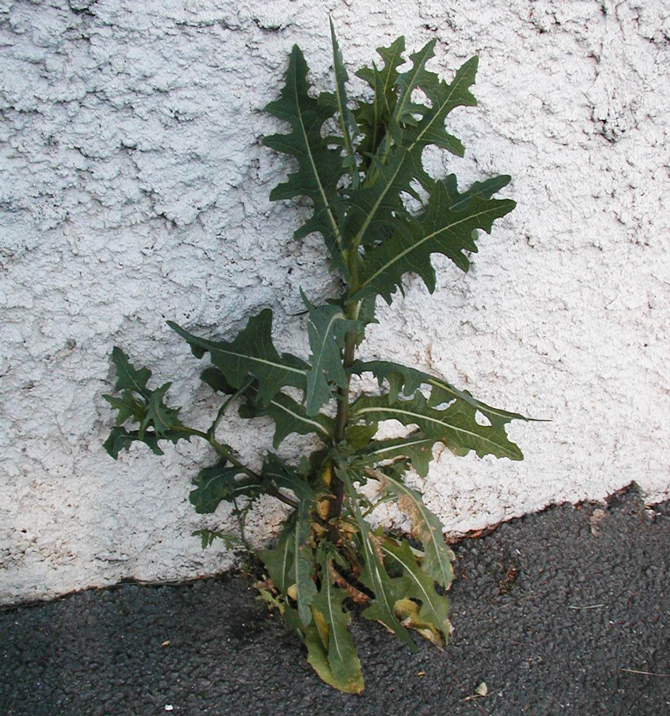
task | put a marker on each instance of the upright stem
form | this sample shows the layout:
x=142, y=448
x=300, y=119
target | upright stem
x=343, y=393
x=336, y=485
x=222, y=451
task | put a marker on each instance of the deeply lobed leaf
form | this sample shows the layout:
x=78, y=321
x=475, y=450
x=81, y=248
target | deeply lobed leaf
x=347, y=121
x=252, y=352
x=426, y=527
x=454, y=426
x=434, y=607
x=283, y=476
x=319, y=167
x=385, y=589
x=417, y=448
x=221, y=482
x=327, y=326
x=127, y=376
x=443, y=99
x=143, y=406
x=441, y=229
x=406, y=380
x=374, y=117
x=289, y=417
x=121, y=439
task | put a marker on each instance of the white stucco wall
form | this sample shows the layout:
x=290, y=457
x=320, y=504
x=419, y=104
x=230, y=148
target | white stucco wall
x=134, y=189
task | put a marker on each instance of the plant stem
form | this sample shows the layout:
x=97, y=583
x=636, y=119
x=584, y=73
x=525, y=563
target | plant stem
x=337, y=486
x=223, y=452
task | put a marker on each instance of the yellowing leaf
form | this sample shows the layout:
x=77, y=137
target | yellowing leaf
x=342, y=657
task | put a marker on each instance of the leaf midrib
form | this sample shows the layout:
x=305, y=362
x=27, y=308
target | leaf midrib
x=339, y=316
x=392, y=67
x=368, y=219
x=302, y=418
x=255, y=359
x=341, y=103
x=397, y=257
x=420, y=416
x=437, y=114
x=410, y=572
x=423, y=510
x=410, y=87
x=401, y=445
x=333, y=631
x=334, y=224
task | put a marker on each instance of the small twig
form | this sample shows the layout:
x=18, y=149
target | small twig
x=644, y=673
x=588, y=606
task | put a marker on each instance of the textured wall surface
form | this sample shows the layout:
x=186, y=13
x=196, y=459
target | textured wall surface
x=134, y=189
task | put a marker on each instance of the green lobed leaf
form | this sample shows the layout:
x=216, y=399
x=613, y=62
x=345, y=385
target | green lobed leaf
x=443, y=99
x=286, y=477
x=377, y=207
x=434, y=607
x=291, y=565
x=127, y=377
x=121, y=439
x=207, y=538
x=426, y=527
x=386, y=590
x=416, y=448
x=319, y=167
x=289, y=417
x=347, y=121
x=221, y=482
x=251, y=353
x=484, y=190
x=373, y=117
x=440, y=230
x=158, y=415
x=303, y=558
x=406, y=380
x=374, y=210
x=415, y=78
x=327, y=326
x=138, y=404
x=342, y=657
x=129, y=407
x=455, y=426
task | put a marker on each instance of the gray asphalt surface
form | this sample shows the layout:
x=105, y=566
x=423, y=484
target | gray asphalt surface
x=553, y=618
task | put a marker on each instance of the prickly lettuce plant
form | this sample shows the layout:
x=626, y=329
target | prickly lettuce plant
x=356, y=162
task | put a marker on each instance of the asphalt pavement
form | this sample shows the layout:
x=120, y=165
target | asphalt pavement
x=565, y=612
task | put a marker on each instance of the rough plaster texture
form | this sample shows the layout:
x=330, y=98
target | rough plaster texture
x=135, y=189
